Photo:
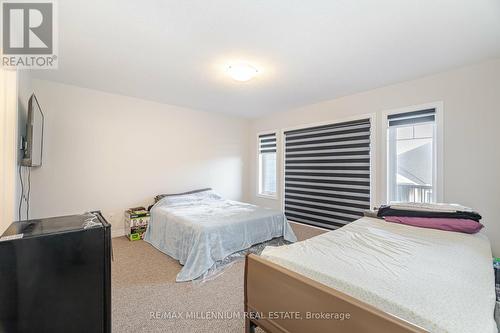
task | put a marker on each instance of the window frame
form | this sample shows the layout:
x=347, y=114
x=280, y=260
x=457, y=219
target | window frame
x=259, y=166
x=437, y=147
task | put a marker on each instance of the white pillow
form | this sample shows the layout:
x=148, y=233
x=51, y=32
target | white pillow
x=190, y=197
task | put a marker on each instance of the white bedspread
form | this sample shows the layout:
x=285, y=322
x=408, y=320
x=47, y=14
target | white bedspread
x=439, y=280
x=199, y=230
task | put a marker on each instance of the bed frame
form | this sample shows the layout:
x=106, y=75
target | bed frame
x=276, y=298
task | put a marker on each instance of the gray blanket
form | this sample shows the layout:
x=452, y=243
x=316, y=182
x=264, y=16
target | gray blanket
x=202, y=228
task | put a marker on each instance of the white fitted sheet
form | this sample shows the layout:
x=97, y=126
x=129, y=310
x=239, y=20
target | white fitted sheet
x=439, y=280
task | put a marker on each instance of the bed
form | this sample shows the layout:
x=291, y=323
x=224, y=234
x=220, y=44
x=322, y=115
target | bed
x=201, y=228
x=388, y=277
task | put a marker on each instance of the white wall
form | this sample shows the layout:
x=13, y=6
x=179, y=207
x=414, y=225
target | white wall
x=109, y=152
x=8, y=135
x=471, y=97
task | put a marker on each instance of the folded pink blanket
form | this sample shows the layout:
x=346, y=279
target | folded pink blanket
x=459, y=225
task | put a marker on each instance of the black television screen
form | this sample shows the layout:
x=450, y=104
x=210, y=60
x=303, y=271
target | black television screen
x=34, y=134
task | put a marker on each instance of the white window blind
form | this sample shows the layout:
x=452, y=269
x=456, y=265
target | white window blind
x=327, y=173
x=267, y=164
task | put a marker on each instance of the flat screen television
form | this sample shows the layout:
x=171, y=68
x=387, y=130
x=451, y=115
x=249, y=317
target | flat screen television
x=33, y=142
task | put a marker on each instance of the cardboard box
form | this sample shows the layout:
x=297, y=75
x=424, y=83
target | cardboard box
x=136, y=222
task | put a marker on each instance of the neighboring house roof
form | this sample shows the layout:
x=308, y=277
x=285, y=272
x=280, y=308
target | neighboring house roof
x=415, y=164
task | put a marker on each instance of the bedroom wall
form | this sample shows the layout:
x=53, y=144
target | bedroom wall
x=471, y=97
x=110, y=152
x=8, y=134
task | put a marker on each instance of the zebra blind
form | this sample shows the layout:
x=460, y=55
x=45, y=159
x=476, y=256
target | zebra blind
x=327, y=173
x=267, y=160
x=267, y=143
x=410, y=118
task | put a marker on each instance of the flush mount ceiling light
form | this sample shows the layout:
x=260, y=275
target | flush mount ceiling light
x=242, y=72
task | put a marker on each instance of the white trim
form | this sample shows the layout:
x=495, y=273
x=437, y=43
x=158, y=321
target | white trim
x=268, y=196
x=373, y=160
x=373, y=156
x=329, y=122
x=440, y=151
x=438, y=145
x=282, y=170
x=259, y=180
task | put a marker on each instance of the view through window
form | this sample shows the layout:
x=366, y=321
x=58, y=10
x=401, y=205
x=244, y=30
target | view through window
x=411, y=157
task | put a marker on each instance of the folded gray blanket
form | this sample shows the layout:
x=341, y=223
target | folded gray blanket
x=389, y=211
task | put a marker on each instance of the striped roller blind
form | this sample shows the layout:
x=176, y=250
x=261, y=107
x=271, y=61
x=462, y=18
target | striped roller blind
x=410, y=118
x=267, y=143
x=267, y=150
x=327, y=173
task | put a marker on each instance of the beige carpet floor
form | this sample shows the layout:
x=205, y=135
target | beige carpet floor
x=146, y=298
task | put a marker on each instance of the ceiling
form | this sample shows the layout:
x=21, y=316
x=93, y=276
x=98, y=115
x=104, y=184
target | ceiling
x=174, y=52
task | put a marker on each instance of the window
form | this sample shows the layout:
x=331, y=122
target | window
x=411, y=148
x=327, y=173
x=267, y=164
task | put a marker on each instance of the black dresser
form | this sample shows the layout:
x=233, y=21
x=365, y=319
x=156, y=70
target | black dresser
x=55, y=275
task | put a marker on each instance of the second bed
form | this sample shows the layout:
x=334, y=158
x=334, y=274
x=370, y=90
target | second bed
x=387, y=275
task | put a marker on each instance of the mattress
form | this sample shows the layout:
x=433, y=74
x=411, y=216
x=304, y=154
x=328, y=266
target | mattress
x=202, y=228
x=439, y=280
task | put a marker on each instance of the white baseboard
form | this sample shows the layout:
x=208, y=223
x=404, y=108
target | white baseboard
x=117, y=232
